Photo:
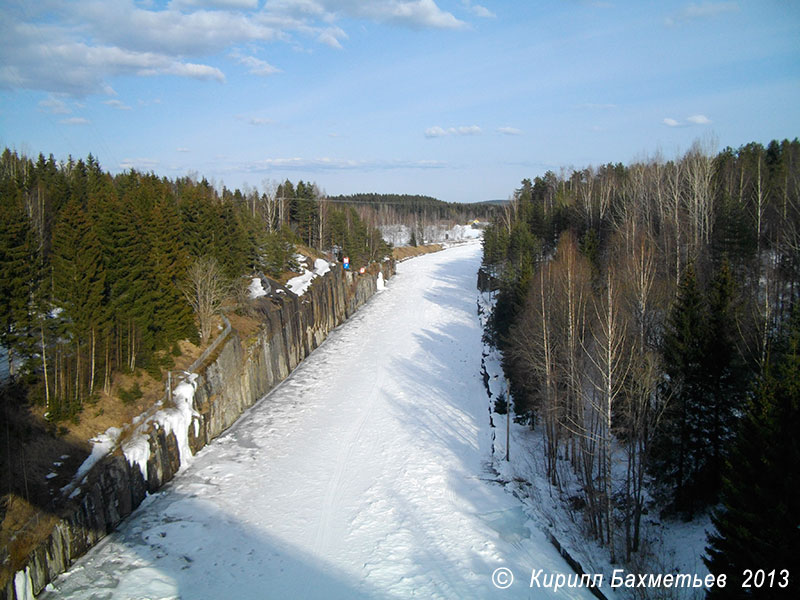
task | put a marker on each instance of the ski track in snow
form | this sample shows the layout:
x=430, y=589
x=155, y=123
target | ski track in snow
x=363, y=475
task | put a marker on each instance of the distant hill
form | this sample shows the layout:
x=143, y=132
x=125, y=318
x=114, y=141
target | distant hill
x=414, y=204
x=493, y=202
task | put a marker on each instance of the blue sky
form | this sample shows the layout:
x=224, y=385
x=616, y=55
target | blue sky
x=458, y=99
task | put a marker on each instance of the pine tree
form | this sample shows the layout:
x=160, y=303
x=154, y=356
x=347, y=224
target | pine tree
x=757, y=526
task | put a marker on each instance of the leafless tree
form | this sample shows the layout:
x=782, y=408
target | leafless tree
x=699, y=176
x=641, y=410
x=610, y=356
x=205, y=288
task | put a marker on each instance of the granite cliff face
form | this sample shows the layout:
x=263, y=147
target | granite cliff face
x=237, y=375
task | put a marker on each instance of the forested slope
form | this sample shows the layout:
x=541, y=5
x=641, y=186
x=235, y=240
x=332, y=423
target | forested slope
x=648, y=319
x=101, y=272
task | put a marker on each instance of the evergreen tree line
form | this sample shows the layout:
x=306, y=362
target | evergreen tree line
x=95, y=266
x=405, y=205
x=644, y=314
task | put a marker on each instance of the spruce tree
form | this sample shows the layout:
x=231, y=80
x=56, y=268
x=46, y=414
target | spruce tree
x=17, y=259
x=757, y=526
x=727, y=378
x=679, y=453
x=173, y=316
x=78, y=288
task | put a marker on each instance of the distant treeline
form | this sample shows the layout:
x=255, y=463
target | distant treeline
x=417, y=213
x=95, y=266
x=432, y=208
x=648, y=316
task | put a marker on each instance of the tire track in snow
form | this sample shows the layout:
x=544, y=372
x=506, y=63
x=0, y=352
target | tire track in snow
x=336, y=486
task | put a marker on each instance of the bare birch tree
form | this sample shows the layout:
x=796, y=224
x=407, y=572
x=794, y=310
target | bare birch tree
x=611, y=358
x=205, y=289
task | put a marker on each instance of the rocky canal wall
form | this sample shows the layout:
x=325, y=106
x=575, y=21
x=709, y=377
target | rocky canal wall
x=235, y=376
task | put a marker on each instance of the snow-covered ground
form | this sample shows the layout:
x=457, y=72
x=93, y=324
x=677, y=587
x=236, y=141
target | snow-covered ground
x=366, y=474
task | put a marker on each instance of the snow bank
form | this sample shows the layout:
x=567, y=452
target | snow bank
x=102, y=444
x=463, y=233
x=396, y=235
x=300, y=284
x=256, y=289
x=380, y=283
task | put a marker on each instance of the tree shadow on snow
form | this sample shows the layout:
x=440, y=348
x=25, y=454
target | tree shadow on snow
x=179, y=545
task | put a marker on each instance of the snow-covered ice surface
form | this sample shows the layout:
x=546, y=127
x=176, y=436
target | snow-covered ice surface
x=364, y=475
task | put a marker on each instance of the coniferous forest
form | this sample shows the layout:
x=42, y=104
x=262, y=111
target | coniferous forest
x=649, y=323
x=96, y=266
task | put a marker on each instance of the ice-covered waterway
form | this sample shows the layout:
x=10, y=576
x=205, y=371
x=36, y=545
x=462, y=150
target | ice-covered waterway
x=364, y=475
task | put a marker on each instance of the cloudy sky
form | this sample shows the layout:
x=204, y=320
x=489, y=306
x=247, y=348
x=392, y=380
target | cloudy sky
x=459, y=99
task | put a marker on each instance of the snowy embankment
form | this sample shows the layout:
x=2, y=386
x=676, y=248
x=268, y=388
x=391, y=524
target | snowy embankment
x=300, y=284
x=400, y=235
x=365, y=474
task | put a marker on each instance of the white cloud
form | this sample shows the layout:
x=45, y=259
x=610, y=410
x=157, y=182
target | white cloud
x=334, y=164
x=255, y=66
x=438, y=131
x=75, y=121
x=435, y=132
x=331, y=36
x=259, y=121
x=509, y=131
x=182, y=150
x=118, y=104
x=705, y=10
x=77, y=48
x=699, y=120
x=478, y=10
x=222, y=4
x=191, y=70
x=76, y=68
x=55, y=106
x=409, y=13
x=709, y=9
x=143, y=164
x=693, y=120
x=171, y=31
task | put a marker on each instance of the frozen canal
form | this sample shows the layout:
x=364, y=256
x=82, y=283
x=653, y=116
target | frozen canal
x=364, y=475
